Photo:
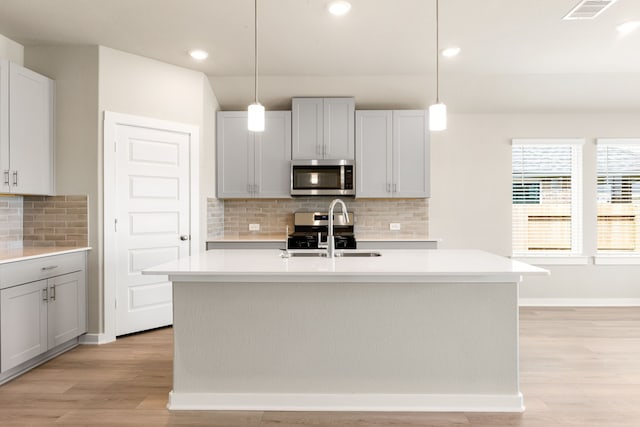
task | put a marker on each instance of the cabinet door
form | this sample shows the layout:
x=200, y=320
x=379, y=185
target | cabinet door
x=23, y=323
x=411, y=153
x=30, y=131
x=235, y=157
x=338, y=128
x=65, y=309
x=373, y=150
x=4, y=126
x=273, y=156
x=307, y=128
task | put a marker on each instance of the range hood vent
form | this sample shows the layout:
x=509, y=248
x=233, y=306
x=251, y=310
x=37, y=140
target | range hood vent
x=588, y=9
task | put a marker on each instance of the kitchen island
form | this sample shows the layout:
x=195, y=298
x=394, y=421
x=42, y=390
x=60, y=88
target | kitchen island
x=410, y=330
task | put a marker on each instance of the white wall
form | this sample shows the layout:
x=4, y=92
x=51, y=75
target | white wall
x=11, y=51
x=471, y=194
x=75, y=71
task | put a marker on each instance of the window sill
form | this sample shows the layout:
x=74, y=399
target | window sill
x=617, y=260
x=553, y=259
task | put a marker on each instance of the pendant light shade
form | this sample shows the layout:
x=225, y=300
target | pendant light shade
x=255, y=111
x=256, y=117
x=438, y=116
x=437, y=111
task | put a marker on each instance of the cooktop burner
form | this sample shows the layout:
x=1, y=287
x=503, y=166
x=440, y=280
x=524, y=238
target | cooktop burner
x=311, y=229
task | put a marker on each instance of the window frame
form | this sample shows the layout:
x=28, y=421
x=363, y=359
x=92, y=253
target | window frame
x=576, y=255
x=615, y=258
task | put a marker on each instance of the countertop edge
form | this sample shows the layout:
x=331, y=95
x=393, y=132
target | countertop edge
x=53, y=252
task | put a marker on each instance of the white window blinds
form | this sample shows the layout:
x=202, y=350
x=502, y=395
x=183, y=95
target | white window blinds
x=619, y=196
x=546, y=196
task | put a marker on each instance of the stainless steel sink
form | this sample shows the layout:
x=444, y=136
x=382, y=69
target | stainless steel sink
x=358, y=254
x=340, y=254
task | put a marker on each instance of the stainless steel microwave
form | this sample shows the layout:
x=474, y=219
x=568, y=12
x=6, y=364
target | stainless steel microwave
x=323, y=178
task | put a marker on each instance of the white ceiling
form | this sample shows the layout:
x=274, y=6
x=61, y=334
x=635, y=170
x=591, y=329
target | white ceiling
x=517, y=55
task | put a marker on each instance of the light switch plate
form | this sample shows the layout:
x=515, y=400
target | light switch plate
x=254, y=227
x=394, y=226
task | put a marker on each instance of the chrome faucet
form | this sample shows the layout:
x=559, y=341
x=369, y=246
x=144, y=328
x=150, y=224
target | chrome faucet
x=331, y=241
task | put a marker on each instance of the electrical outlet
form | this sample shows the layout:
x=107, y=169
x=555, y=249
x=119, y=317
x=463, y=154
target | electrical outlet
x=394, y=226
x=254, y=227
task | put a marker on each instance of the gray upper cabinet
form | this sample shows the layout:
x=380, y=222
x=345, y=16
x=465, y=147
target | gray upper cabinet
x=323, y=128
x=253, y=164
x=26, y=131
x=392, y=150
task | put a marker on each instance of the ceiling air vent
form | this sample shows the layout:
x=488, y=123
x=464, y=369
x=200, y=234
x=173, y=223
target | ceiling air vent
x=588, y=9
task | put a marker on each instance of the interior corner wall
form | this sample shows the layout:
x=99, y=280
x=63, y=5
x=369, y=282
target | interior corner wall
x=75, y=71
x=135, y=85
x=11, y=50
x=207, y=153
x=470, y=207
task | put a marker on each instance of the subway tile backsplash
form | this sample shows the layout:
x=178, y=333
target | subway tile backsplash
x=55, y=221
x=373, y=217
x=10, y=222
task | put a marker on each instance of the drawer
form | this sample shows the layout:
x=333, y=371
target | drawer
x=16, y=273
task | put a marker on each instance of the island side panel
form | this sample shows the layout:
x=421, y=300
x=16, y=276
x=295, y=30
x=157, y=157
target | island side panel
x=413, y=338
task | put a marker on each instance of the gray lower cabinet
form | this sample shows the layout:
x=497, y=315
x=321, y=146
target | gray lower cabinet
x=253, y=164
x=37, y=316
x=392, y=154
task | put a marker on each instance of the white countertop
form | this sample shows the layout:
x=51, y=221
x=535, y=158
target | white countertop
x=22, y=254
x=395, y=265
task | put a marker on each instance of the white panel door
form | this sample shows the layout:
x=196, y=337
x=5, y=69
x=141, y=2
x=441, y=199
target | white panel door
x=273, y=156
x=4, y=125
x=23, y=323
x=152, y=214
x=307, y=128
x=235, y=155
x=65, y=309
x=373, y=149
x=31, y=131
x=411, y=153
x=338, y=128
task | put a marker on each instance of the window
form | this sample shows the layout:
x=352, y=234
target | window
x=619, y=196
x=546, y=197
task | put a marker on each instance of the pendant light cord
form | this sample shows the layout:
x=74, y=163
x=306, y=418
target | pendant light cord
x=255, y=50
x=437, y=56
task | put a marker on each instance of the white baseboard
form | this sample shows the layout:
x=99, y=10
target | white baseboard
x=346, y=402
x=95, y=339
x=579, y=302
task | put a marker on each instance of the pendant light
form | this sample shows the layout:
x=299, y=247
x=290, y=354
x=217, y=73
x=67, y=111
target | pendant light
x=437, y=111
x=256, y=110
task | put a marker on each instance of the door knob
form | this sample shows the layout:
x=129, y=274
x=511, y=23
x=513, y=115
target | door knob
x=185, y=237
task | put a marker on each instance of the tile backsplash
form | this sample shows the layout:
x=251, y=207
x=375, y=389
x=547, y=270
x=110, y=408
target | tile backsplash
x=28, y=221
x=10, y=222
x=372, y=216
x=55, y=221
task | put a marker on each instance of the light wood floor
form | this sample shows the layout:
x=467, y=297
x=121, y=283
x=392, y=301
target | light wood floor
x=579, y=367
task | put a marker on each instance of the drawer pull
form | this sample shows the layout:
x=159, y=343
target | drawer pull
x=51, y=267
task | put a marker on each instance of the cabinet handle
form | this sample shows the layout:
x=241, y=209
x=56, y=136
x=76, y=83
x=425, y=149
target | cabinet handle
x=388, y=188
x=15, y=178
x=6, y=177
x=256, y=189
x=53, y=293
x=395, y=188
x=51, y=267
x=44, y=295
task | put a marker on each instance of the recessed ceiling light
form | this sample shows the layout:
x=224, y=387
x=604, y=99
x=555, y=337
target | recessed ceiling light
x=198, y=54
x=339, y=7
x=450, y=51
x=627, y=27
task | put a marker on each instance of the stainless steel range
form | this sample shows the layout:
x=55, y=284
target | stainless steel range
x=311, y=229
